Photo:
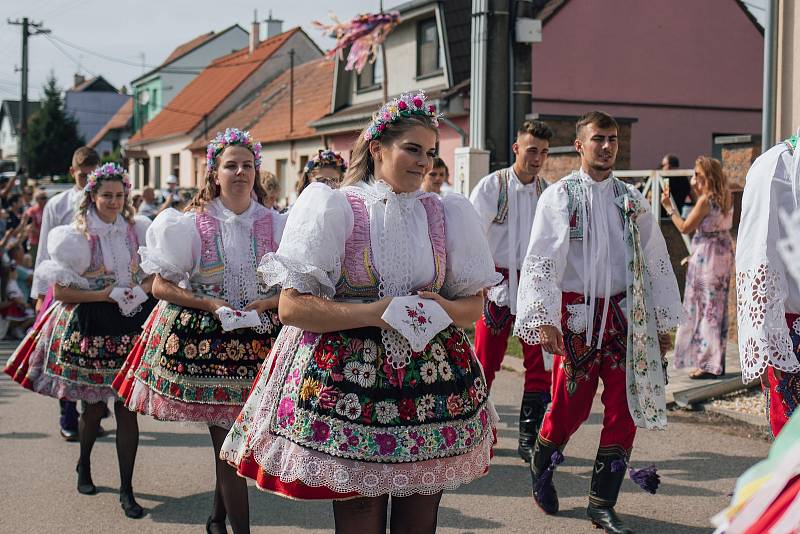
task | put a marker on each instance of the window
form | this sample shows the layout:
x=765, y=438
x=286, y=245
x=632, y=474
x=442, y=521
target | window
x=428, y=55
x=303, y=161
x=157, y=172
x=371, y=77
x=280, y=169
x=175, y=164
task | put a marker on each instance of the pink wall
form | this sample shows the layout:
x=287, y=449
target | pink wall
x=701, y=59
x=449, y=140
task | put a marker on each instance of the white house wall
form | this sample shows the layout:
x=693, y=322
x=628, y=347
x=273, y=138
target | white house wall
x=8, y=140
x=292, y=152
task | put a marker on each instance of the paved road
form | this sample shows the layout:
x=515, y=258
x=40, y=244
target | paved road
x=174, y=476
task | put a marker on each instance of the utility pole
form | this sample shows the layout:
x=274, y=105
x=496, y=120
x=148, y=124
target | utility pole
x=28, y=28
x=291, y=90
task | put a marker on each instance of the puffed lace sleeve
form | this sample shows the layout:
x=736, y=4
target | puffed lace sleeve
x=140, y=226
x=761, y=277
x=539, y=295
x=484, y=200
x=309, y=257
x=172, y=247
x=70, y=257
x=664, y=286
x=470, y=267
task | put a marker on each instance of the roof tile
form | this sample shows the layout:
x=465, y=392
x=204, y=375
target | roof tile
x=118, y=121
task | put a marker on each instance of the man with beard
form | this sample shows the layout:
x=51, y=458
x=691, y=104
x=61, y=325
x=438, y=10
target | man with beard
x=597, y=290
x=506, y=202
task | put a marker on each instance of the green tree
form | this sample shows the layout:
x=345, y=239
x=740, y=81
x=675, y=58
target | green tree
x=52, y=135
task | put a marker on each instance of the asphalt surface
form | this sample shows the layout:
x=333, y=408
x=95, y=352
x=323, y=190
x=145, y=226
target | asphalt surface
x=174, y=478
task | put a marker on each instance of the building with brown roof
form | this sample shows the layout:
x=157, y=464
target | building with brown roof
x=156, y=88
x=115, y=132
x=280, y=116
x=161, y=147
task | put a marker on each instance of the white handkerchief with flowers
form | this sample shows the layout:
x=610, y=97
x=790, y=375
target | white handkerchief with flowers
x=233, y=319
x=416, y=319
x=129, y=299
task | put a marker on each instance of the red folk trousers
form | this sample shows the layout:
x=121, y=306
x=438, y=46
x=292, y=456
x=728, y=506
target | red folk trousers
x=576, y=376
x=782, y=394
x=491, y=342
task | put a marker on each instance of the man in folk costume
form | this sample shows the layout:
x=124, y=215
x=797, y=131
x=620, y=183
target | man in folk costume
x=597, y=290
x=506, y=202
x=767, y=298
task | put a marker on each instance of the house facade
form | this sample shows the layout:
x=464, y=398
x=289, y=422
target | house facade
x=9, y=127
x=92, y=102
x=162, y=146
x=156, y=89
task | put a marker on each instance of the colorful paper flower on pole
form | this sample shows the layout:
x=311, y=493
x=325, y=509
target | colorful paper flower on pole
x=363, y=35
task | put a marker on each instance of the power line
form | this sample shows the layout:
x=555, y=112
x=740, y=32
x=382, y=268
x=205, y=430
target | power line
x=75, y=61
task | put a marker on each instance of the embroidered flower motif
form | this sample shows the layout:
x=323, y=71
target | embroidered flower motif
x=97, y=341
x=455, y=405
x=386, y=412
x=428, y=372
x=320, y=431
x=310, y=388
x=327, y=397
x=325, y=359
x=190, y=351
x=450, y=435
x=438, y=352
x=422, y=413
x=367, y=377
x=242, y=371
x=445, y=371
x=204, y=346
x=172, y=344
x=370, y=351
x=386, y=444
x=235, y=350
x=407, y=409
x=352, y=372
x=285, y=412
x=348, y=406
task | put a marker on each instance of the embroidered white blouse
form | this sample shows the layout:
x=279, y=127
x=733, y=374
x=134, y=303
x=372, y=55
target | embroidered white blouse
x=508, y=241
x=59, y=211
x=595, y=267
x=173, y=248
x=309, y=258
x=764, y=290
x=69, y=254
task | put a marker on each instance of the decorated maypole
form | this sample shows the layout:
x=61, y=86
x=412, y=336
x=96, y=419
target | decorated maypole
x=363, y=36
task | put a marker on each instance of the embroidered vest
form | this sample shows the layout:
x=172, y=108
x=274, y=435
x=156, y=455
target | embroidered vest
x=576, y=201
x=502, y=197
x=96, y=274
x=209, y=276
x=359, y=278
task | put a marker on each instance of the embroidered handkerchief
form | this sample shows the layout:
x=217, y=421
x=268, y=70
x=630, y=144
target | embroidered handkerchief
x=416, y=319
x=233, y=319
x=129, y=299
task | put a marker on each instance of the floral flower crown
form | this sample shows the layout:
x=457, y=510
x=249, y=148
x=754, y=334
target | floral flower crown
x=326, y=158
x=230, y=137
x=105, y=172
x=405, y=105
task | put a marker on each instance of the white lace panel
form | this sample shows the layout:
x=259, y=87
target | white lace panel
x=539, y=298
x=763, y=334
x=53, y=272
x=116, y=251
x=666, y=301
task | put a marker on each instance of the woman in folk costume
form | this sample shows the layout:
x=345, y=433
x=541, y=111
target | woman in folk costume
x=598, y=291
x=702, y=336
x=327, y=167
x=347, y=410
x=80, y=344
x=203, y=345
x=767, y=298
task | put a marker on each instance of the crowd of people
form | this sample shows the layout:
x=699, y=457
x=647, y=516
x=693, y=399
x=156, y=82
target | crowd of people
x=326, y=345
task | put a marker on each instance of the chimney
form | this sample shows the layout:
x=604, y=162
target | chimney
x=79, y=79
x=274, y=26
x=255, y=32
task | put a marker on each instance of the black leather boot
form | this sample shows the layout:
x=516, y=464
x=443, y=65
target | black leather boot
x=546, y=457
x=610, y=467
x=531, y=413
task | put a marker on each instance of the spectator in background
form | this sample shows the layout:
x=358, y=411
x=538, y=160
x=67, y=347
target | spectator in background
x=703, y=332
x=15, y=210
x=327, y=167
x=148, y=207
x=136, y=201
x=434, y=179
x=27, y=196
x=273, y=188
x=680, y=187
x=34, y=215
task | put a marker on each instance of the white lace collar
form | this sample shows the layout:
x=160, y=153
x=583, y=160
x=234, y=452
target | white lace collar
x=218, y=210
x=100, y=228
x=113, y=246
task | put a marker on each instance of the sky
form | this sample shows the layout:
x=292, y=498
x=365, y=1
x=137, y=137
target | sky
x=130, y=33
x=123, y=30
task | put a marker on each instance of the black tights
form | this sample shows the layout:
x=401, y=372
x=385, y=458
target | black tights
x=127, y=438
x=415, y=514
x=230, y=492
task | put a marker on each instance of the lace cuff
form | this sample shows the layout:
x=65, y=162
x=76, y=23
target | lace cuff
x=287, y=273
x=538, y=300
x=763, y=334
x=473, y=278
x=665, y=295
x=52, y=272
x=153, y=263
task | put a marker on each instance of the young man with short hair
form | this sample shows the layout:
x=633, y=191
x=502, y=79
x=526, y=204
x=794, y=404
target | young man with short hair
x=506, y=202
x=58, y=211
x=598, y=291
x=434, y=179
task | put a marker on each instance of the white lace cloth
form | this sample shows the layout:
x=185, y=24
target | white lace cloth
x=59, y=211
x=764, y=291
x=594, y=268
x=310, y=255
x=522, y=200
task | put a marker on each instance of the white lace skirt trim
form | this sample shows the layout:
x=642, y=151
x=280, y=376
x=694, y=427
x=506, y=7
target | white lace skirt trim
x=145, y=401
